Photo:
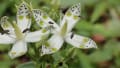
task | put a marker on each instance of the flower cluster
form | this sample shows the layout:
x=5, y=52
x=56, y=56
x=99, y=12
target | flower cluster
x=18, y=33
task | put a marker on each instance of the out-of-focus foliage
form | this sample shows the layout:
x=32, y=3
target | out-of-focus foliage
x=100, y=20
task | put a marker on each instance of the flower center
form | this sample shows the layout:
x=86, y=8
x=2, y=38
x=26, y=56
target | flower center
x=19, y=34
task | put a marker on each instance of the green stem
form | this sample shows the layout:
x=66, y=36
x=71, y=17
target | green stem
x=43, y=65
x=38, y=65
x=35, y=57
x=69, y=54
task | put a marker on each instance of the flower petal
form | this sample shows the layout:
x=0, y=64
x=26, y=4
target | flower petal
x=44, y=20
x=37, y=17
x=71, y=16
x=23, y=16
x=6, y=39
x=80, y=41
x=6, y=27
x=18, y=49
x=52, y=45
x=36, y=36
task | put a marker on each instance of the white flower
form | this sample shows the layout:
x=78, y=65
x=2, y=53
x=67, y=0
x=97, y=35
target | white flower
x=17, y=33
x=63, y=33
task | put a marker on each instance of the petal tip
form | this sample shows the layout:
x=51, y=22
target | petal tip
x=14, y=55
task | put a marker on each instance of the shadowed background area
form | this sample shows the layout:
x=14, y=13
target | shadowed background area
x=100, y=20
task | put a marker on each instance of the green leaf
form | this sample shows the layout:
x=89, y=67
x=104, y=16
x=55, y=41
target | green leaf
x=98, y=11
x=84, y=28
x=113, y=47
x=100, y=29
x=117, y=61
x=65, y=3
x=84, y=60
x=84, y=25
x=100, y=56
x=3, y=7
x=113, y=3
x=4, y=47
x=5, y=62
x=114, y=26
x=27, y=65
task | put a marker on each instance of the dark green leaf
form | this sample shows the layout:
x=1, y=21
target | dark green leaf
x=26, y=65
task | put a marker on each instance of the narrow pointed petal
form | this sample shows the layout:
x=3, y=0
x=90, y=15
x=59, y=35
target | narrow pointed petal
x=23, y=16
x=71, y=16
x=6, y=39
x=52, y=45
x=44, y=20
x=80, y=41
x=36, y=36
x=18, y=49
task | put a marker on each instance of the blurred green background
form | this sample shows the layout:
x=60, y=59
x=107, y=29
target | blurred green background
x=100, y=21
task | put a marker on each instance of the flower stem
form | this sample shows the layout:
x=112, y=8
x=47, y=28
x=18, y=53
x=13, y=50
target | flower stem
x=38, y=65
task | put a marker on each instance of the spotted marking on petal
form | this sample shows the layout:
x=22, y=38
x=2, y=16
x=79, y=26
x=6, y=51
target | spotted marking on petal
x=75, y=17
x=81, y=46
x=23, y=9
x=72, y=35
x=44, y=30
x=5, y=23
x=41, y=23
x=28, y=17
x=50, y=22
x=75, y=9
x=54, y=49
x=13, y=53
x=68, y=14
x=47, y=44
x=21, y=17
x=27, y=29
x=85, y=40
x=37, y=14
x=45, y=50
x=44, y=17
x=3, y=19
